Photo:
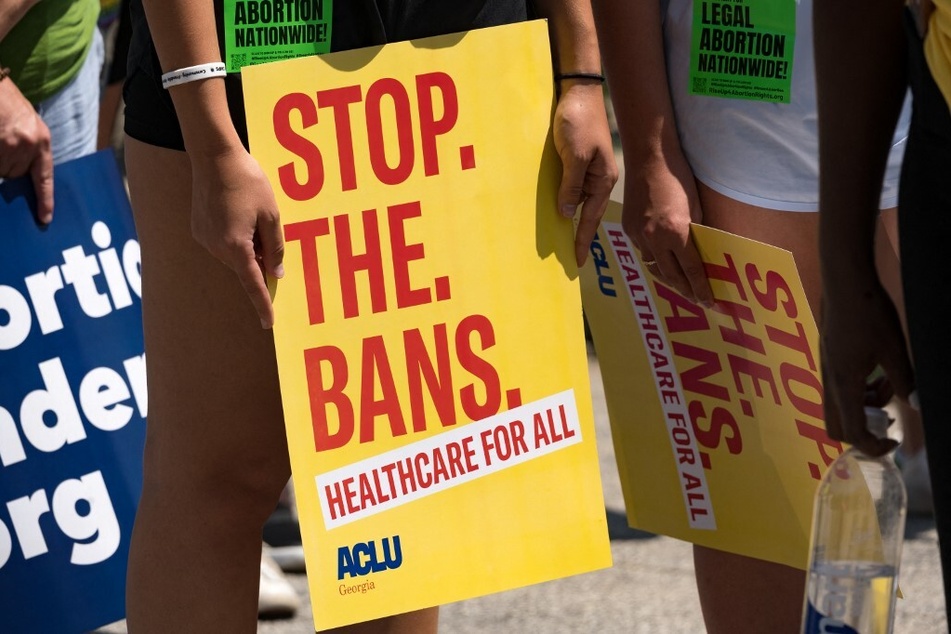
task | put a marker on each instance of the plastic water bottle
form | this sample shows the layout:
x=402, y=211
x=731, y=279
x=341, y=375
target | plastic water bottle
x=857, y=531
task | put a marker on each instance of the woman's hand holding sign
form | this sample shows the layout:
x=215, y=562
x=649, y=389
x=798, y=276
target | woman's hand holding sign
x=583, y=142
x=660, y=203
x=234, y=212
x=235, y=217
x=25, y=146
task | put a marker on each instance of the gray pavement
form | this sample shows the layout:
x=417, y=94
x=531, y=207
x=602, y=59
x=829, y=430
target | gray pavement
x=649, y=589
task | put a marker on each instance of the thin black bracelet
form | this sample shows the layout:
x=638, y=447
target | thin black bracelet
x=592, y=76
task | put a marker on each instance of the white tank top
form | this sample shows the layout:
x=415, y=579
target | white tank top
x=760, y=153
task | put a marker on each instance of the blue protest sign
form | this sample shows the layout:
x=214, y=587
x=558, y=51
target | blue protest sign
x=72, y=400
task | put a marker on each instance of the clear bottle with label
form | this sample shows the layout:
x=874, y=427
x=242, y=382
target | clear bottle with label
x=858, y=527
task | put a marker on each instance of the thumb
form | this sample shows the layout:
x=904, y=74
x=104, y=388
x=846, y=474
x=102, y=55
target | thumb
x=272, y=244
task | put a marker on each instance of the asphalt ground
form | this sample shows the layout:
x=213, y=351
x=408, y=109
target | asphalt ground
x=649, y=589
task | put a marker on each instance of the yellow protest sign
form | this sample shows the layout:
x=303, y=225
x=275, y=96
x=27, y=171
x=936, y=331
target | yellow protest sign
x=716, y=414
x=428, y=331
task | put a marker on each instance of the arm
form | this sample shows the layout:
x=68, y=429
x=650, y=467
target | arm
x=233, y=206
x=660, y=196
x=24, y=138
x=860, y=328
x=581, y=132
x=11, y=11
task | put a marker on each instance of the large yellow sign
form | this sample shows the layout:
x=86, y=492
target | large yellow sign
x=429, y=330
x=716, y=414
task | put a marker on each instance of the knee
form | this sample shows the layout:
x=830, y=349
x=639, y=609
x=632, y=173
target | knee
x=242, y=488
x=253, y=487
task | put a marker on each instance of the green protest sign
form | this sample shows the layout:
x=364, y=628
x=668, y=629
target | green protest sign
x=743, y=49
x=259, y=31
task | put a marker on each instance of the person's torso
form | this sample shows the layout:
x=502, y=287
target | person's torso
x=47, y=47
x=359, y=23
x=256, y=25
x=760, y=152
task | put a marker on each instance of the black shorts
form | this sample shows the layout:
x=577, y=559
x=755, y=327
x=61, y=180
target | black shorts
x=149, y=112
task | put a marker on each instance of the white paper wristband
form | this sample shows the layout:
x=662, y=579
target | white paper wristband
x=193, y=73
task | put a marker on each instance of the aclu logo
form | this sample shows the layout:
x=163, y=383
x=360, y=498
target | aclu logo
x=601, y=267
x=361, y=559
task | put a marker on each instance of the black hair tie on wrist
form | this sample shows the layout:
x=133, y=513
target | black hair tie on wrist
x=592, y=76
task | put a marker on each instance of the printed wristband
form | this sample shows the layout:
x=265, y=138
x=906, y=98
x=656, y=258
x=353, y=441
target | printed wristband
x=193, y=73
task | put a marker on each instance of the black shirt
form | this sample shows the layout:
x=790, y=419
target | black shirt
x=150, y=114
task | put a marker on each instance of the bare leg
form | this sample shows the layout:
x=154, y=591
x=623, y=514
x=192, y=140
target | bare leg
x=216, y=451
x=419, y=622
x=796, y=232
x=741, y=594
